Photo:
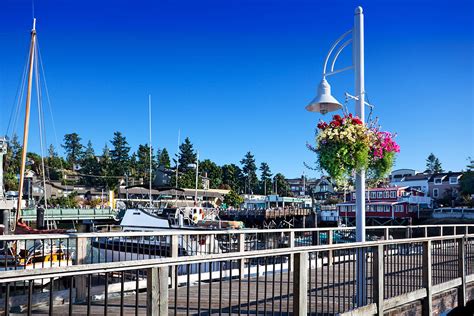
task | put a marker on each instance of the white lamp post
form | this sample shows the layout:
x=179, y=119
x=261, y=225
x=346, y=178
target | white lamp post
x=325, y=102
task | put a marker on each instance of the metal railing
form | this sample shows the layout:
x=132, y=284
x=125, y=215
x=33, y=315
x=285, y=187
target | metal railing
x=248, y=277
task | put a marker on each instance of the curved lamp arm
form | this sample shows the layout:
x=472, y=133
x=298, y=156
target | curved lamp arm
x=332, y=49
x=338, y=52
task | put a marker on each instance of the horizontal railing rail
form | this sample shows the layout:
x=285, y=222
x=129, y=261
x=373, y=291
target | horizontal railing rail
x=178, y=232
x=369, y=278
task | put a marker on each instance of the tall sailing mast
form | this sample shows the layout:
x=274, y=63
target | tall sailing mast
x=151, y=156
x=27, y=118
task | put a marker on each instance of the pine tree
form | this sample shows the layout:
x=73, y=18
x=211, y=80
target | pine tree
x=52, y=151
x=265, y=178
x=54, y=164
x=73, y=149
x=213, y=171
x=106, y=171
x=249, y=170
x=143, y=162
x=163, y=158
x=282, y=188
x=186, y=156
x=233, y=177
x=433, y=165
x=119, y=154
x=12, y=161
x=470, y=165
x=89, y=152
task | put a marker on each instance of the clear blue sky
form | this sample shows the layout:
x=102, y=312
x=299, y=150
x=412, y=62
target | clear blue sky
x=235, y=76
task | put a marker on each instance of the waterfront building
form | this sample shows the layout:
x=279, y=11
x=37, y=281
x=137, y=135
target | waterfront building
x=445, y=186
x=388, y=203
x=410, y=178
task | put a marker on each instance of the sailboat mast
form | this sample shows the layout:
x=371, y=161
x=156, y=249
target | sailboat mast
x=27, y=119
x=151, y=156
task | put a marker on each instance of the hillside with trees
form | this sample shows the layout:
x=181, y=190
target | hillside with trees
x=118, y=163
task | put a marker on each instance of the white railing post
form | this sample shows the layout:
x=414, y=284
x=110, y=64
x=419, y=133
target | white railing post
x=379, y=279
x=241, y=251
x=330, y=257
x=426, y=231
x=427, y=274
x=81, y=281
x=291, y=245
x=462, y=297
x=300, y=284
x=174, y=254
x=157, y=291
x=386, y=234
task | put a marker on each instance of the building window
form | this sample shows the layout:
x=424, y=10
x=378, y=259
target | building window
x=435, y=193
x=379, y=194
x=373, y=195
x=438, y=181
x=453, y=180
x=393, y=194
x=386, y=194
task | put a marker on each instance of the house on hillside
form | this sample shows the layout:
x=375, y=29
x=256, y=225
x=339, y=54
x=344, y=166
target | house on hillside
x=445, y=186
x=322, y=189
x=418, y=181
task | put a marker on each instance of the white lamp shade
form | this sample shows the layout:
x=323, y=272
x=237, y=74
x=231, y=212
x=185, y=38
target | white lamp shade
x=324, y=101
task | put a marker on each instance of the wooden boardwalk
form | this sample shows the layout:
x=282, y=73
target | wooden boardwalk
x=270, y=294
x=331, y=289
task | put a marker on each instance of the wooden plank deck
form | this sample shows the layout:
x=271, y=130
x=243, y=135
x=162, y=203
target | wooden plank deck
x=331, y=290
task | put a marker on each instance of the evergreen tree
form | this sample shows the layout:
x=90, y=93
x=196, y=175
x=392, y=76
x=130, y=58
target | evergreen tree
x=467, y=180
x=265, y=178
x=89, y=152
x=186, y=156
x=163, y=158
x=470, y=165
x=119, y=154
x=54, y=164
x=187, y=180
x=133, y=166
x=433, y=165
x=214, y=173
x=12, y=161
x=143, y=162
x=106, y=170
x=232, y=176
x=90, y=167
x=73, y=149
x=282, y=188
x=249, y=170
x=52, y=151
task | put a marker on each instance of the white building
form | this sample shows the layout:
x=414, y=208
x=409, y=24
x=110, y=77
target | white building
x=410, y=178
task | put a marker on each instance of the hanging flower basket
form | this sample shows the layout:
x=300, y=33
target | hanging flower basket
x=347, y=145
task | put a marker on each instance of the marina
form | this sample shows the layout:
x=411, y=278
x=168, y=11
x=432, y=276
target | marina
x=140, y=230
